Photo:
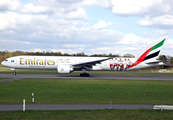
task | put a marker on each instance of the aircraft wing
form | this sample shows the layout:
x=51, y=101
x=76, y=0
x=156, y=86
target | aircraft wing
x=90, y=63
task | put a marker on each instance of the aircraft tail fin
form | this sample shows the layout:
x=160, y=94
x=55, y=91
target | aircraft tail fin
x=150, y=54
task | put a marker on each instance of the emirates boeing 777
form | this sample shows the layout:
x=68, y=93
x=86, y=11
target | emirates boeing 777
x=68, y=64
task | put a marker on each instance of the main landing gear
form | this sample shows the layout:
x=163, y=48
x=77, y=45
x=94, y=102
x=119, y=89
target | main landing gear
x=84, y=73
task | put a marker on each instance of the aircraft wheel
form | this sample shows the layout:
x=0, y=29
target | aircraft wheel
x=81, y=74
x=87, y=74
x=84, y=75
x=14, y=73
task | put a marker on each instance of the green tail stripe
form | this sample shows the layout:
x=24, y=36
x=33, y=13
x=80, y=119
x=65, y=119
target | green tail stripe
x=158, y=45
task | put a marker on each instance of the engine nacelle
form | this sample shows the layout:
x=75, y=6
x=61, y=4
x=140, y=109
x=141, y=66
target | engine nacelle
x=64, y=69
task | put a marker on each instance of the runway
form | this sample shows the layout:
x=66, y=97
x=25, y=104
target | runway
x=72, y=107
x=11, y=78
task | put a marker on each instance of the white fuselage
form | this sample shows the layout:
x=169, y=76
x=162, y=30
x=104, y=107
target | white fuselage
x=51, y=62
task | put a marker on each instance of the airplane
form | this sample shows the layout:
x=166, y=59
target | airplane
x=68, y=64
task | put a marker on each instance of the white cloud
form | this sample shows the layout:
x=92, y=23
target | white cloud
x=102, y=24
x=62, y=9
x=130, y=39
x=103, y=48
x=165, y=21
x=157, y=33
x=34, y=8
x=140, y=8
x=162, y=32
x=11, y=20
x=78, y=14
x=169, y=44
x=39, y=50
x=16, y=42
x=132, y=48
x=39, y=25
x=100, y=3
x=73, y=45
x=11, y=5
x=132, y=7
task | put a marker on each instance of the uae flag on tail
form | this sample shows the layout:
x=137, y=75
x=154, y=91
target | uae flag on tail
x=150, y=53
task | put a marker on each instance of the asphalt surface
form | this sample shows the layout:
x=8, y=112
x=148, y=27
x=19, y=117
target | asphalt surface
x=72, y=107
x=11, y=78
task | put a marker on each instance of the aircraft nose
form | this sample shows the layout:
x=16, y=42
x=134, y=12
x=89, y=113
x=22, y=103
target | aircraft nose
x=2, y=63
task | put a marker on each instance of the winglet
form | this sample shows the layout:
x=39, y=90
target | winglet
x=150, y=53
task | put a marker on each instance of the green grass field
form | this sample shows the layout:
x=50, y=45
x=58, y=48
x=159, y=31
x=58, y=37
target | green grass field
x=71, y=91
x=105, y=114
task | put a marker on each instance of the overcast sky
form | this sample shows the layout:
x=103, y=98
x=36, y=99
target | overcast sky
x=89, y=26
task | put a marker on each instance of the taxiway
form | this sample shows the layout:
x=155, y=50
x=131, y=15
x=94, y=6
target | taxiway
x=72, y=107
x=10, y=77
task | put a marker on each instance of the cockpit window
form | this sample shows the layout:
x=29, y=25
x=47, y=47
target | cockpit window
x=6, y=60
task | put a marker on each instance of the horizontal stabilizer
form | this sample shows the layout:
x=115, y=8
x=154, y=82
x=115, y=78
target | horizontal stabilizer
x=158, y=61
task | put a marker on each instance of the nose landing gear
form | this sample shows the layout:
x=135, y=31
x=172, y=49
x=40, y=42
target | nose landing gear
x=14, y=71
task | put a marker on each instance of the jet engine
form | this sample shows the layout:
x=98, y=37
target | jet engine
x=64, y=69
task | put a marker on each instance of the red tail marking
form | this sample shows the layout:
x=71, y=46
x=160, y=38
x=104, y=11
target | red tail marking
x=140, y=59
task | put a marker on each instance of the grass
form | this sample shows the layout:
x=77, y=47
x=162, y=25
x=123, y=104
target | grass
x=71, y=91
x=2, y=79
x=140, y=114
